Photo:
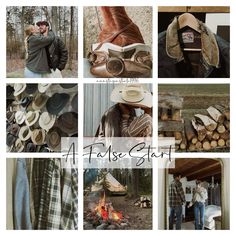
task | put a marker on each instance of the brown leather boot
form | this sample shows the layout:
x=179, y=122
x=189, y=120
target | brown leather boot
x=118, y=28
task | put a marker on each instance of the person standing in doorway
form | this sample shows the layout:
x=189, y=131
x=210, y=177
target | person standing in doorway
x=176, y=200
x=198, y=201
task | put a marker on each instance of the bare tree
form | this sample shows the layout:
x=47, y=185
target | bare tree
x=71, y=37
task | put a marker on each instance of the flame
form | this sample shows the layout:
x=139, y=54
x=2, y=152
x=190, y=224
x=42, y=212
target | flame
x=106, y=211
x=116, y=216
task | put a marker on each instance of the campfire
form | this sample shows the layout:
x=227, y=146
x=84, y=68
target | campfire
x=102, y=215
x=106, y=211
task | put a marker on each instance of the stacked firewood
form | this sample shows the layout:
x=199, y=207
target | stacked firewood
x=208, y=132
x=170, y=122
x=143, y=202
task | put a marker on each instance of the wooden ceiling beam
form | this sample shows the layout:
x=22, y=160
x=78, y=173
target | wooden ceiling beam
x=205, y=174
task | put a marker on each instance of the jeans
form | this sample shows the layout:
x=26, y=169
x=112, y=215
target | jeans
x=21, y=197
x=199, y=210
x=175, y=211
x=30, y=74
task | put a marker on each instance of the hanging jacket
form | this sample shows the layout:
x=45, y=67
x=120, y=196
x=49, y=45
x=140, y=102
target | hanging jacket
x=214, y=62
x=22, y=197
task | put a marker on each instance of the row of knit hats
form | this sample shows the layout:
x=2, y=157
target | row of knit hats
x=36, y=121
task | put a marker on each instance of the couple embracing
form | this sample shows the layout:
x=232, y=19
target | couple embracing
x=46, y=55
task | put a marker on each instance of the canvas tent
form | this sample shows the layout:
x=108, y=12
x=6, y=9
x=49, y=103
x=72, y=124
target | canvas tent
x=111, y=184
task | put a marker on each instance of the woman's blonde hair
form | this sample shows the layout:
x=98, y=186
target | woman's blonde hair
x=28, y=32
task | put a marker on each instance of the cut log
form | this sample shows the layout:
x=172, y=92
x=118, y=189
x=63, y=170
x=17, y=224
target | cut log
x=225, y=135
x=216, y=115
x=169, y=134
x=220, y=129
x=209, y=135
x=192, y=147
x=206, y=145
x=227, y=124
x=201, y=130
x=170, y=125
x=215, y=135
x=227, y=143
x=189, y=130
x=176, y=114
x=214, y=143
x=224, y=110
x=178, y=135
x=194, y=140
x=206, y=121
x=221, y=142
x=183, y=144
x=198, y=145
x=164, y=114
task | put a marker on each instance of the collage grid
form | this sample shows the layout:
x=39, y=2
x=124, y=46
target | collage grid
x=172, y=90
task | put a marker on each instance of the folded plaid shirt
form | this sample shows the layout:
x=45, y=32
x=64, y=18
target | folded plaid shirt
x=55, y=194
x=176, y=194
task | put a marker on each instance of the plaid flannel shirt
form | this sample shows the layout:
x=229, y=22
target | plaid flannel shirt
x=176, y=194
x=69, y=216
x=55, y=192
x=47, y=193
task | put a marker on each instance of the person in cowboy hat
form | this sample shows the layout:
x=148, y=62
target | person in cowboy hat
x=121, y=120
x=36, y=56
x=56, y=52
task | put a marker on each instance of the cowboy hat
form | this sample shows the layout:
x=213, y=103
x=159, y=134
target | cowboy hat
x=10, y=139
x=25, y=101
x=74, y=103
x=43, y=87
x=31, y=88
x=20, y=117
x=30, y=147
x=38, y=136
x=10, y=91
x=44, y=148
x=19, y=146
x=31, y=118
x=46, y=120
x=10, y=116
x=57, y=102
x=132, y=94
x=39, y=101
x=53, y=138
x=19, y=88
x=13, y=129
x=68, y=122
x=67, y=86
x=24, y=133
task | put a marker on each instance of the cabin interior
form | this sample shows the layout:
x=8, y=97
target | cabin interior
x=214, y=174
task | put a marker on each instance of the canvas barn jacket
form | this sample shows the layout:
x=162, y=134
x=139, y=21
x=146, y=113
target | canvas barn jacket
x=214, y=61
x=37, y=60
